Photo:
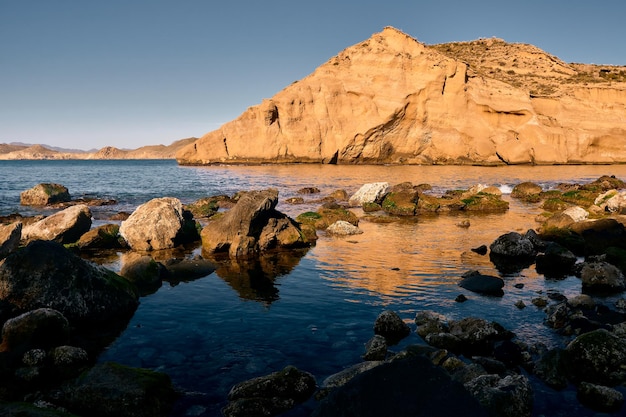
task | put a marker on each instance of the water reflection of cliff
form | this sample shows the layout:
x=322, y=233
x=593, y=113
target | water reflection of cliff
x=393, y=259
x=254, y=278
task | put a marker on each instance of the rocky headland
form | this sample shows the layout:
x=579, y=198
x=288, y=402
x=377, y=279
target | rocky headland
x=393, y=100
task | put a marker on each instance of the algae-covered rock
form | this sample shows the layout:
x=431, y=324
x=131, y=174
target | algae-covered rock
x=44, y=194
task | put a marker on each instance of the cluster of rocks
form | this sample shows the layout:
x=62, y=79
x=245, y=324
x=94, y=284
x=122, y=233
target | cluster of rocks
x=59, y=309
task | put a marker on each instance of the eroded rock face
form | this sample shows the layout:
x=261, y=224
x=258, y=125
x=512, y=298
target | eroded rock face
x=161, y=223
x=65, y=226
x=392, y=99
x=252, y=226
x=10, y=236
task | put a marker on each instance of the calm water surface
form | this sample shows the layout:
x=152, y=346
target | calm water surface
x=315, y=310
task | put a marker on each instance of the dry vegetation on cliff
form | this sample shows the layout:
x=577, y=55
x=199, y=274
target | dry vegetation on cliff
x=528, y=67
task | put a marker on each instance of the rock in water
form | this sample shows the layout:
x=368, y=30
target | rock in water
x=65, y=226
x=45, y=274
x=161, y=223
x=252, y=226
x=44, y=194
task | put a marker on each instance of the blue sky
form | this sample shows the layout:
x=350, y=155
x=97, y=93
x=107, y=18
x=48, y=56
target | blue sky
x=86, y=73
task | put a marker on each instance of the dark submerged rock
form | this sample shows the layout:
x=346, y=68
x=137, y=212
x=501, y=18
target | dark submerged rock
x=512, y=252
x=556, y=261
x=600, y=398
x=482, y=284
x=511, y=396
x=375, y=349
x=45, y=274
x=270, y=395
x=110, y=389
x=406, y=387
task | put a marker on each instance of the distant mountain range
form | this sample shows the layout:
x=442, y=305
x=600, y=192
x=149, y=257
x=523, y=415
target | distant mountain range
x=19, y=150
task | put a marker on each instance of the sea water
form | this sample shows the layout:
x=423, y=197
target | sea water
x=314, y=309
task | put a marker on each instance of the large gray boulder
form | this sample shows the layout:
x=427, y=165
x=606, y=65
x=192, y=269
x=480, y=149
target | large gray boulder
x=46, y=275
x=10, y=236
x=45, y=194
x=161, y=223
x=65, y=226
x=598, y=357
x=252, y=226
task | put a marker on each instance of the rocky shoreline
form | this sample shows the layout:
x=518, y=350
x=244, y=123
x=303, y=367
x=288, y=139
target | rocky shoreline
x=60, y=310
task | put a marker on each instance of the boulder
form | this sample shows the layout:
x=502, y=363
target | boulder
x=556, y=261
x=478, y=335
x=109, y=389
x=512, y=252
x=252, y=226
x=369, y=193
x=598, y=357
x=209, y=206
x=412, y=386
x=343, y=228
x=578, y=214
x=271, y=394
x=602, y=277
x=65, y=226
x=143, y=271
x=430, y=322
x=482, y=284
x=551, y=368
x=389, y=325
x=10, y=236
x=612, y=201
x=44, y=194
x=45, y=274
x=527, y=191
x=600, y=398
x=161, y=223
x=40, y=328
x=375, y=349
x=106, y=236
x=401, y=203
x=600, y=234
x=511, y=396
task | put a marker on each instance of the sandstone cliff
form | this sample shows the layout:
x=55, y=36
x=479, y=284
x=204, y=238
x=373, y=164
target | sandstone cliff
x=392, y=99
x=15, y=152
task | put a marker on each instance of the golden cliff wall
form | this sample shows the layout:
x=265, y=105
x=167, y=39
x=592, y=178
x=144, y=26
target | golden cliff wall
x=391, y=99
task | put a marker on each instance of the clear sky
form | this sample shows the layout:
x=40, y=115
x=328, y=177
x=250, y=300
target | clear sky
x=127, y=73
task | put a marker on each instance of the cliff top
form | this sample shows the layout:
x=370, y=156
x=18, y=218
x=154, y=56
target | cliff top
x=528, y=67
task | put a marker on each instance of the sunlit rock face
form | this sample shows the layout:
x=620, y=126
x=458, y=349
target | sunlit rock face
x=392, y=99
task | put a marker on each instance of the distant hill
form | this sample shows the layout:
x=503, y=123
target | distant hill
x=17, y=150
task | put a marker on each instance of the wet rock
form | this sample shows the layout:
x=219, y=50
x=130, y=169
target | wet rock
x=252, y=226
x=483, y=202
x=270, y=395
x=511, y=396
x=295, y=200
x=556, y=261
x=143, y=271
x=392, y=389
x=389, y=325
x=512, y=252
x=309, y=190
x=187, y=269
x=482, y=284
x=325, y=216
x=10, y=236
x=597, y=357
x=401, y=203
x=42, y=328
x=369, y=193
x=45, y=274
x=65, y=226
x=209, y=206
x=536, y=240
x=527, y=191
x=481, y=250
x=339, y=195
x=600, y=398
x=375, y=349
x=106, y=236
x=68, y=361
x=343, y=228
x=460, y=298
x=600, y=234
x=612, y=201
x=445, y=341
x=110, y=389
x=557, y=315
x=44, y=194
x=602, y=277
x=161, y=223
x=478, y=335
x=551, y=368
x=429, y=322
x=22, y=409
x=341, y=378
